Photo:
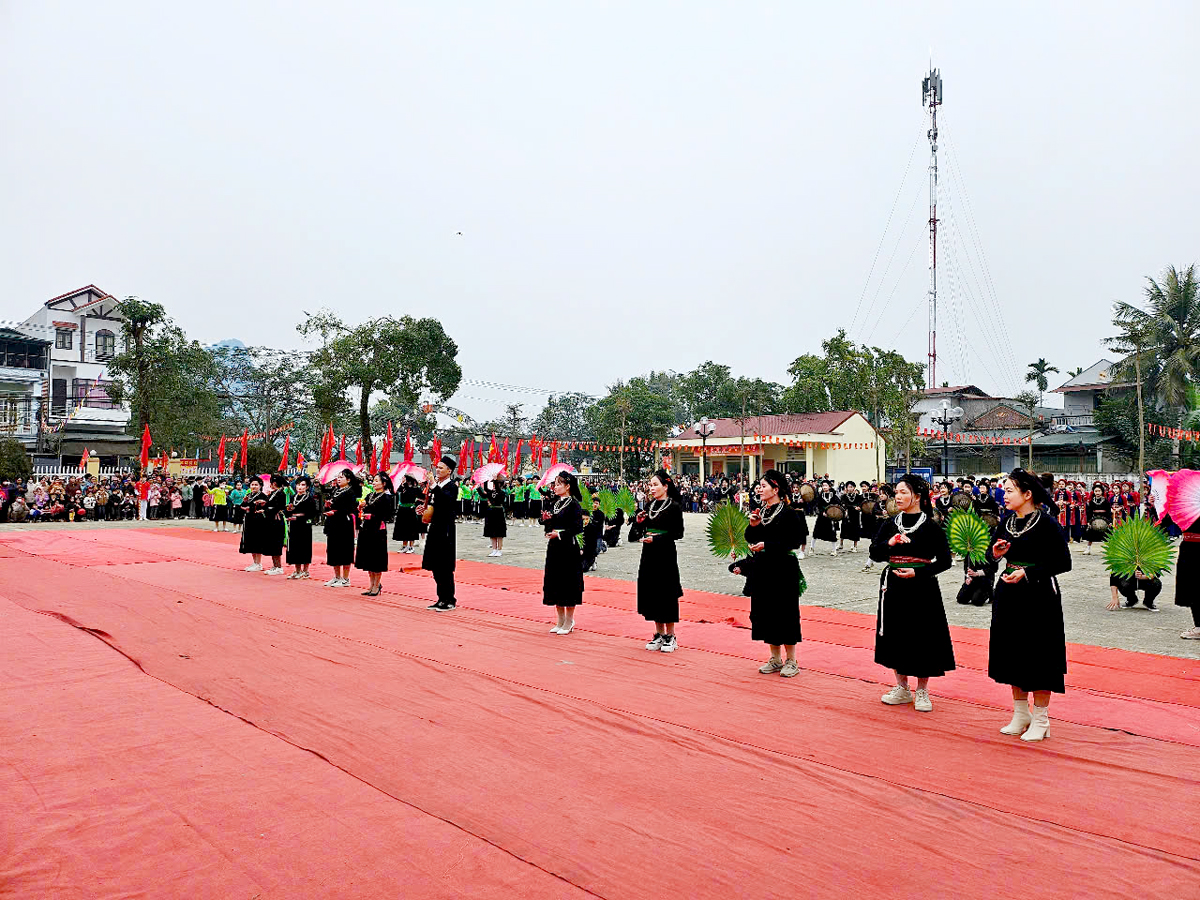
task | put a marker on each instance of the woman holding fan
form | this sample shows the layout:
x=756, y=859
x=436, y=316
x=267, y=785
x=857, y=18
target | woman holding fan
x=408, y=527
x=562, y=581
x=1028, y=647
x=912, y=636
x=773, y=574
x=374, y=512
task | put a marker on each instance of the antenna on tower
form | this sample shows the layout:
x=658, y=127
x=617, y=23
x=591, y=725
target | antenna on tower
x=931, y=97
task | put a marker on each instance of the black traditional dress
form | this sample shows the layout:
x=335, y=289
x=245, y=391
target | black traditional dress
x=978, y=591
x=1097, y=509
x=870, y=520
x=251, y=540
x=658, y=586
x=1028, y=646
x=942, y=505
x=439, y=555
x=1187, y=568
x=912, y=635
x=852, y=521
x=773, y=576
x=371, y=554
x=494, y=524
x=272, y=523
x=827, y=528
x=300, y=516
x=562, y=581
x=340, y=512
x=592, y=532
x=612, y=529
x=407, y=527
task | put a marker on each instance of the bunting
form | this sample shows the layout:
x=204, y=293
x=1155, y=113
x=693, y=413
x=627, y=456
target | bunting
x=1175, y=434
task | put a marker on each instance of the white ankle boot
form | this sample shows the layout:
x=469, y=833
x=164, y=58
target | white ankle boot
x=1020, y=720
x=1039, y=723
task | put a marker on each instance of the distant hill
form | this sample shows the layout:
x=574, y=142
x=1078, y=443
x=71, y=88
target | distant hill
x=233, y=343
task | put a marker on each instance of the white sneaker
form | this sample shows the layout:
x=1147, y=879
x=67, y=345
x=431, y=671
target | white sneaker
x=303, y=576
x=655, y=643
x=854, y=549
x=345, y=582
x=333, y=582
x=499, y=553
x=669, y=644
x=922, y=701
x=254, y=567
x=274, y=571
x=292, y=576
x=897, y=696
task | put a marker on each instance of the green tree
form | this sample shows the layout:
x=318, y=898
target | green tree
x=1117, y=418
x=565, y=416
x=1075, y=372
x=700, y=392
x=1170, y=326
x=408, y=359
x=1037, y=375
x=1029, y=401
x=166, y=379
x=631, y=409
x=14, y=460
x=748, y=400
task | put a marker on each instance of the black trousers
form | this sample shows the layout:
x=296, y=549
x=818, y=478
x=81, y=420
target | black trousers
x=444, y=579
x=1128, y=588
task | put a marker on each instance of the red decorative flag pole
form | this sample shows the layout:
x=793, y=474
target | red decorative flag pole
x=408, y=447
x=283, y=462
x=221, y=456
x=358, y=453
x=300, y=460
x=245, y=449
x=342, y=449
x=145, y=456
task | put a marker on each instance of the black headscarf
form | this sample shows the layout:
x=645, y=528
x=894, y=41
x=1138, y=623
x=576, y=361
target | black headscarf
x=1027, y=481
x=572, y=484
x=918, y=486
x=776, y=479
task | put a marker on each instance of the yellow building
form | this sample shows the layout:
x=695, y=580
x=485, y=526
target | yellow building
x=842, y=445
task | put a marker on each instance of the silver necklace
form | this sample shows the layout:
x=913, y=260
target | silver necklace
x=768, y=513
x=1037, y=514
x=655, y=513
x=900, y=525
x=560, y=505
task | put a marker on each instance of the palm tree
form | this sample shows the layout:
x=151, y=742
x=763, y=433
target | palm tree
x=1132, y=341
x=1170, y=327
x=1037, y=373
x=1074, y=373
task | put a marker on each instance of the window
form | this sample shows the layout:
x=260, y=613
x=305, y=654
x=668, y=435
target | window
x=63, y=338
x=106, y=345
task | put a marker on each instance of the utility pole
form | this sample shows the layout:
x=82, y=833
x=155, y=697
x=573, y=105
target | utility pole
x=931, y=97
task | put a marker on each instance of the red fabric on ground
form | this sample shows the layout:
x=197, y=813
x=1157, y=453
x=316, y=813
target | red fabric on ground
x=115, y=784
x=624, y=772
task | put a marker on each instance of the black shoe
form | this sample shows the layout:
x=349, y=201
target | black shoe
x=1150, y=605
x=434, y=605
x=442, y=607
x=1128, y=604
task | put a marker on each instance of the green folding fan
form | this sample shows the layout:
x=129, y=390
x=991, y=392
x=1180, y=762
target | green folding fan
x=1137, y=546
x=727, y=531
x=627, y=502
x=968, y=535
x=608, y=504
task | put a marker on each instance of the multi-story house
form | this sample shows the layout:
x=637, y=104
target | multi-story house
x=83, y=332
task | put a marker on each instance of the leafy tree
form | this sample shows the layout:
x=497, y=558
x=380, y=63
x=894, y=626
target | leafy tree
x=408, y=359
x=700, y=392
x=1116, y=417
x=565, y=416
x=1037, y=375
x=1029, y=401
x=261, y=388
x=14, y=460
x=1074, y=373
x=631, y=409
x=749, y=399
x=166, y=379
x=262, y=458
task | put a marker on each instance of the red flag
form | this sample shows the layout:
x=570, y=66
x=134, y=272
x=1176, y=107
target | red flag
x=435, y=451
x=84, y=459
x=463, y=455
x=145, y=457
x=245, y=448
x=342, y=449
x=408, y=447
x=326, y=446
x=300, y=460
x=554, y=453
x=221, y=456
x=504, y=454
x=385, y=455
x=374, y=459
x=358, y=456
x=283, y=462
x=517, y=467
x=493, y=456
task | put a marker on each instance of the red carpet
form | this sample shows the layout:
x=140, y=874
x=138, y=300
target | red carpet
x=260, y=736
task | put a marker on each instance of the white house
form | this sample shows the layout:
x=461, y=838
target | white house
x=83, y=328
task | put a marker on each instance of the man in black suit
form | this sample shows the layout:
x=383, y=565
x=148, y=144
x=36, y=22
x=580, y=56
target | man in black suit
x=439, y=514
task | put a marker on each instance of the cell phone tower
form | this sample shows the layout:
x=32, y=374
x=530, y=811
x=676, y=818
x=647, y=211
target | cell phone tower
x=931, y=97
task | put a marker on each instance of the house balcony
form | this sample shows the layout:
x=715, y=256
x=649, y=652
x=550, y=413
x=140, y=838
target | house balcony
x=1083, y=421
x=94, y=410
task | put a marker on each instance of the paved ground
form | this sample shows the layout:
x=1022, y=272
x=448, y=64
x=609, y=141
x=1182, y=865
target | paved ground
x=836, y=582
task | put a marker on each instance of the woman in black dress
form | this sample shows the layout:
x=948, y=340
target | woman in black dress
x=1028, y=646
x=612, y=529
x=852, y=500
x=912, y=636
x=658, y=527
x=300, y=514
x=340, y=511
x=495, y=528
x=1187, y=577
x=252, y=527
x=1098, y=513
x=271, y=510
x=773, y=574
x=826, y=528
x=408, y=527
x=562, y=581
x=374, y=513
x=979, y=581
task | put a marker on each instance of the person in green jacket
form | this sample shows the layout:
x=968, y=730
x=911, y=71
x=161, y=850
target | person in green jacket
x=220, y=502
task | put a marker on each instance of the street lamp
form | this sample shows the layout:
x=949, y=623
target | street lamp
x=945, y=418
x=704, y=428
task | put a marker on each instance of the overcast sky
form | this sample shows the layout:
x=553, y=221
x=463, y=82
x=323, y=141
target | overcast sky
x=638, y=185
